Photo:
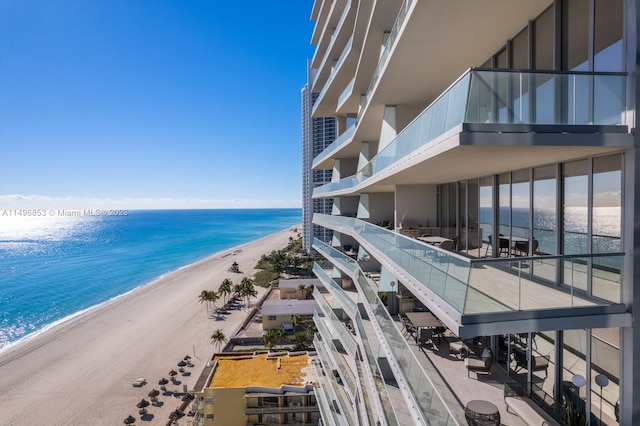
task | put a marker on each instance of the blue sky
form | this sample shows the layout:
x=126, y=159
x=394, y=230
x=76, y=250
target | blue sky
x=143, y=104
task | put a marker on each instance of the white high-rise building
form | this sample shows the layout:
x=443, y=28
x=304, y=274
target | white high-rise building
x=317, y=134
x=485, y=205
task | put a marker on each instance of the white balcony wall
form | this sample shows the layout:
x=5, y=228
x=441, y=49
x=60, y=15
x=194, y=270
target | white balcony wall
x=417, y=203
x=395, y=119
x=343, y=167
x=376, y=207
x=388, y=130
x=366, y=154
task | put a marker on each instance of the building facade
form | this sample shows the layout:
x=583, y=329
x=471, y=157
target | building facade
x=486, y=171
x=317, y=134
x=258, y=389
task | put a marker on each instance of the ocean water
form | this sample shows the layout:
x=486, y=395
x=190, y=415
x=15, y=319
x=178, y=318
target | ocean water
x=53, y=267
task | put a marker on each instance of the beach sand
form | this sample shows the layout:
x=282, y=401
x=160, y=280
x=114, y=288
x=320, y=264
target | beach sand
x=81, y=372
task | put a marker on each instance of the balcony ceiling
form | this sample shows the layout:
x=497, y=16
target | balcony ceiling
x=443, y=38
x=461, y=156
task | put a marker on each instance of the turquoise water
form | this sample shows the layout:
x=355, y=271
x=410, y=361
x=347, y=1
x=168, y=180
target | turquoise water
x=52, y=268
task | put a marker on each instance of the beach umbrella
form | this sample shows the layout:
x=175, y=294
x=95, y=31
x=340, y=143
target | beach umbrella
x=154, y=394
x=187, y=358
x=143, y=403
x=129, y=420
x=163, y=381
x=173, y=374
x=175, y=415
x=182, y=364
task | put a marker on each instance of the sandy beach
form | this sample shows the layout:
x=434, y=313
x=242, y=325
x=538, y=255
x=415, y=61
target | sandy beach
x=81, y=372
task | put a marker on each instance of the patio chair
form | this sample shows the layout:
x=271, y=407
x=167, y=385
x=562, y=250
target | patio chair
x=482, y=365
x=448, y=245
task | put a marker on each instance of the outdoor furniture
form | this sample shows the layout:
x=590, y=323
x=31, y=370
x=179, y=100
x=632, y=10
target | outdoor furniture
x=538, y=362
x=433, y=240
x=481, y=413
x=482, y=365
x=459, y=349
x=522, y=247
x=448, y=245
x=524, y=407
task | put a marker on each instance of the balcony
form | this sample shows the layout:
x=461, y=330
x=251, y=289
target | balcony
x=328, y=153
x=418, y=387
x=493, y=296
x=387, y=47
x=485, y=105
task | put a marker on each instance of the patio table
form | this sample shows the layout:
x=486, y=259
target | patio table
x=481, y=413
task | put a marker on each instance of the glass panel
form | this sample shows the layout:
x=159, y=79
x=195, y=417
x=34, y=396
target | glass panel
x=504, y=212
x=544, y=90
x=543, y=40
x=607, y=225
x=608, y=55
x=520, y=50
x=577, y=54
x=544, y=209
x=575, y=212
x=520, y=193
x=605, y=361
x=501, y=59
x=474, y=233
x=607, y=93
x=486, y=214
x=462, y=209
x=574, y=370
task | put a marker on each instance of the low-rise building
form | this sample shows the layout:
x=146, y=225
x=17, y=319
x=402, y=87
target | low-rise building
x=258, y=389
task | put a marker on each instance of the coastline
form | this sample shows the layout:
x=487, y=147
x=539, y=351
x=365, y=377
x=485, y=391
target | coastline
x=223, y=253
x=80, y=370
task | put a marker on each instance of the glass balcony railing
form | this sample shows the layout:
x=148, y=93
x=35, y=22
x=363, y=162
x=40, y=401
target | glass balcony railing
x=341, y=140
x=386, y=48
x=473, y=286
x=340, y=331
x=425, y=395
x=337, y=64
x=336, y=291
x=503, y=97
x=346, y=92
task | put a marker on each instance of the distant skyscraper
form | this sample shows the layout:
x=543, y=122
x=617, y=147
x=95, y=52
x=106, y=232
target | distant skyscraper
x=317, y=134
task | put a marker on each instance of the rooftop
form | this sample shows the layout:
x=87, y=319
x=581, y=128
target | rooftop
x=238, y=371
x=295, y=282
x=289, y=307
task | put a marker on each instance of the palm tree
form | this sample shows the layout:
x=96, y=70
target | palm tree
x=297, y=321
x=269, y=338
x=204, y=297
x=280, y=334
x=225, y=288
x=218, y=338
x=247, y=289
x=310, y=290
x=302, y=289
x=213, y=297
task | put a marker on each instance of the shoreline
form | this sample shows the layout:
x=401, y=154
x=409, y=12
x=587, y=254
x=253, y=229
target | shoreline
x=80, y=371
x=61, y=321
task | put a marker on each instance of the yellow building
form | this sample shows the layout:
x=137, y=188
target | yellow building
x=258, y=389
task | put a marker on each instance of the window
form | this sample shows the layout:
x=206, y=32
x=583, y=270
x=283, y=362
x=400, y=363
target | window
x=208, y=400
x=608, y=54
x=543, y=40
x=520, y=50
x=577, y=36
x=271, y=318
x=209, y=417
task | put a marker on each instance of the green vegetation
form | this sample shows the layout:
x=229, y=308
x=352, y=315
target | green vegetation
x=271, y=266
